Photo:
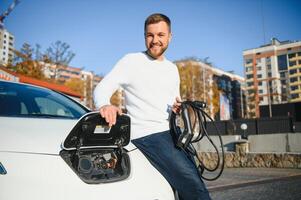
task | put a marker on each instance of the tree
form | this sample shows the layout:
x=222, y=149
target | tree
x=190, y=80
x=59, y=53
x=76, y=85
x=251, y=103
x=196, y=84
x=215, y=101
x=26, y=64
x=30, y=61
x=88, y=92
x=27, y=52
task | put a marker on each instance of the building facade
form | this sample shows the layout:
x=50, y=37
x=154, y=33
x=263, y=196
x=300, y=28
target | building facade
x=273, y=74
x=6, y=47
x=62, y=74
x=231, y=92
x=223, y=92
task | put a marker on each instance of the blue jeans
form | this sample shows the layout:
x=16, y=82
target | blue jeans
x=174, y=164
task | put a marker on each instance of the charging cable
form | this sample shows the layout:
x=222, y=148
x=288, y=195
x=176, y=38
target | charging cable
x=185, y=137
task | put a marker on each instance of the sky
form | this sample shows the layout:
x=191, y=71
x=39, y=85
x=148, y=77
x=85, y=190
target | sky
x=100, y=32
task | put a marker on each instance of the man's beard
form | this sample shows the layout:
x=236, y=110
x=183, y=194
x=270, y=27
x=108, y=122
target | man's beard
x=157, y=55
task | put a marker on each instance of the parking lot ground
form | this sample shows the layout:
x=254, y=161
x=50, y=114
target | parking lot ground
x=256, y=183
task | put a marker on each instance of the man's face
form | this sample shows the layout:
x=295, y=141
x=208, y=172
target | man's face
x=157, y=38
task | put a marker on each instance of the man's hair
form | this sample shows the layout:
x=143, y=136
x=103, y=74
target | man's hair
x=156, y=18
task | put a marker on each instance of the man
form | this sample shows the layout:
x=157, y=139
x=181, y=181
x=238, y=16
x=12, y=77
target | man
x=151, y=87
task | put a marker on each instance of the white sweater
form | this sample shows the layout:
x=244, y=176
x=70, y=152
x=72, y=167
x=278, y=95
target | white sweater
x=150, y=88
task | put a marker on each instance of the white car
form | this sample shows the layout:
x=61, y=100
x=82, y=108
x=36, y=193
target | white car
x=51, y=147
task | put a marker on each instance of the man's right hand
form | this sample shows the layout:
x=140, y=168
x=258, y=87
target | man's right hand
x=109, y=112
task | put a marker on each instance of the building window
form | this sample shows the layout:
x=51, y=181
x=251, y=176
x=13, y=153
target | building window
x=270, y=74
x=249, y=84
x=294, y=87
x=260, y=91
x=269, y=67
x=248, y=61
x=270, y=83
x=4, y=35
x=258, y=68
x=268, y=59
x=271, y=91
x=293, y=71
x=260, y=83
x=258, y=60
x=259, y=75
x=292, y=55
x=248, y=69
x=299, y=53
x=260, y=98
x=249, y=76
x=294, y=79
x=283, y=82
x=282, y=74
x=295, y=96
x=292, y=63
x=282, y=62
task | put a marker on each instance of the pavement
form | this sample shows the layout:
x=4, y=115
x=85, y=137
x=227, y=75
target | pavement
x=256, y=183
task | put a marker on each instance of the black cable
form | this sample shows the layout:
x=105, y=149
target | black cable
x=184, y=139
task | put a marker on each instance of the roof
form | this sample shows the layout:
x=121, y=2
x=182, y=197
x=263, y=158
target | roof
x=53, y=86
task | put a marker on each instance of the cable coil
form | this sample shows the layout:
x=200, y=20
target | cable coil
x=185, y=137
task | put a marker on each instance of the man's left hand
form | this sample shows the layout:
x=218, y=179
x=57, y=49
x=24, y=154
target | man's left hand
x=176, y=107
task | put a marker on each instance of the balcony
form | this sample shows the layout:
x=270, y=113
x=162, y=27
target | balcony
x=295, y=83
x=295, y=91
x=293, y=58
x=294, y=74
x=295, y=100
x=294, y=67
x=249, y=87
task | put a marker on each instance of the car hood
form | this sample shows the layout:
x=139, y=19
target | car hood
x=35, y=135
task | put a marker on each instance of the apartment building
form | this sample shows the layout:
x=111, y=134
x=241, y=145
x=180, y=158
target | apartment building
x=60, y=72
x=222, y=91
x=273, y=74
x=6, y=46
x=64, y=73
x=231, y=87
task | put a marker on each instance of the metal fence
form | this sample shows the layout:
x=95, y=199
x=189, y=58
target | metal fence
x=255, y=126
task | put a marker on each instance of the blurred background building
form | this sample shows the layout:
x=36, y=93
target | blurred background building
x=223, y=92
x=6, y=46
x=273, y=75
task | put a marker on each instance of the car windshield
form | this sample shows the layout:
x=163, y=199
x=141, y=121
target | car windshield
x=18, y=100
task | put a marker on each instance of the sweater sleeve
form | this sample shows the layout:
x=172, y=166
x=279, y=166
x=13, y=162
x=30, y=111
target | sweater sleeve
x=177, y=83
x=116, y=78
